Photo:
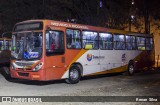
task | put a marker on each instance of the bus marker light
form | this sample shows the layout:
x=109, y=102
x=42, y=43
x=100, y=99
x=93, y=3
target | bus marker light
x=35, y=76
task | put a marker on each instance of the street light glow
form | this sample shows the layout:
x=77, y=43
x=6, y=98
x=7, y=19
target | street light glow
x=132, y=2
x=132, y=16
x=100, y=4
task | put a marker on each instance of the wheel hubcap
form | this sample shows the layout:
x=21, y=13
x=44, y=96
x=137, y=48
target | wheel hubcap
x=131, y=69
x=74, y=74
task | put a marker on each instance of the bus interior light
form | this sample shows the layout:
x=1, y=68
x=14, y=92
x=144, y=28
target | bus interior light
x=121, y=36
x=105, y=35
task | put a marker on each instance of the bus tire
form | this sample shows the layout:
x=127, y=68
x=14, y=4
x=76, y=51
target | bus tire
x=6, y=70
x=131, y=69
x=74, y=75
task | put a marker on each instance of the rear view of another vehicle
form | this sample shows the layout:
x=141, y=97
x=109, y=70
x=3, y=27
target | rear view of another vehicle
x=5, y=53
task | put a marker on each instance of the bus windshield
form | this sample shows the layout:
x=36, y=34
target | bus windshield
x=27, y=46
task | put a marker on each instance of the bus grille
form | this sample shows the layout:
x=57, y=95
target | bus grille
x=23, y=64
x=23, y=74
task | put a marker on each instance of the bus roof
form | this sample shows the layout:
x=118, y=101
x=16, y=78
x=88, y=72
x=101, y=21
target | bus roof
x=6, y=35
x=51, y=23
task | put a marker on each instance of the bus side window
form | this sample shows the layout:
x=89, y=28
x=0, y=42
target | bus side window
x=10, y=45
x=106, y=41
x=90, y=39
x=149, y=43
x=141, y=43
x=119, y=42
x=1, y=45
x=130, y=42
x=6, y=45
x=54, y=42
x=73, y=39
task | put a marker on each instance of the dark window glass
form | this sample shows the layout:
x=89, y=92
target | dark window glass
x=131, y=42
x=141, y=43
x=54, y=42
x=149, y=43
x=1, y=45
x=119, y=42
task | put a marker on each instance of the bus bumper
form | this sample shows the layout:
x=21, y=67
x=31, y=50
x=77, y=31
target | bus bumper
x=27, y=75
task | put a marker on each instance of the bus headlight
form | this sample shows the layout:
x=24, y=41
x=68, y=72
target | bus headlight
x=38, y=67
x=12, y=67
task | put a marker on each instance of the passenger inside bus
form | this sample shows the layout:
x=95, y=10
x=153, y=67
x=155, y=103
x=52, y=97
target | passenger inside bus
x=56, y=41
x=53, y=45
x=75, y=45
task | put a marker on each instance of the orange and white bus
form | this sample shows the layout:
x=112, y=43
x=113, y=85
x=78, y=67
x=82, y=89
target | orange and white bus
x=49, y=50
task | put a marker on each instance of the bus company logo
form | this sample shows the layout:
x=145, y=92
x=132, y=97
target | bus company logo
x=89, y=57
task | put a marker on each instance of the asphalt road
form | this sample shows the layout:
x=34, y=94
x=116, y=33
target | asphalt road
x=141, y=84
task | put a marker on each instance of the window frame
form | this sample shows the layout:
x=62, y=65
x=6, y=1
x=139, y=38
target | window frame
x=144, y=43
x=150, y=44
x=6, y=47
x=53, y=53
x=136, y=47
x=103, y=40
x=83, y=47
x=72, y=38
x=114, y=34
x=16, y=41
x=2, y=46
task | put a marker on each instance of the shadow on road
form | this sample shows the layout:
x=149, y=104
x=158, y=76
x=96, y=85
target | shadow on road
x=42, y=83
x=28, y=82
x=100, y=76
x=33, y=82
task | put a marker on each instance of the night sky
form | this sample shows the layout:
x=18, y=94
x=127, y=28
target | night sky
x=105, y=13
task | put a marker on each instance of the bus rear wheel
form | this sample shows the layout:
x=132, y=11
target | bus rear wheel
x=131, y=69
x=74, y=75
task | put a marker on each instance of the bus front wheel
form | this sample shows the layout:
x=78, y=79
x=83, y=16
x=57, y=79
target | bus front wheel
x=131, y=69
x=74, y=75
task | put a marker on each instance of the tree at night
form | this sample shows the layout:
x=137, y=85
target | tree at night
x=105, y=13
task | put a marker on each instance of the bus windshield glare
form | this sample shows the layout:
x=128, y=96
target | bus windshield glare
x=27, y=46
